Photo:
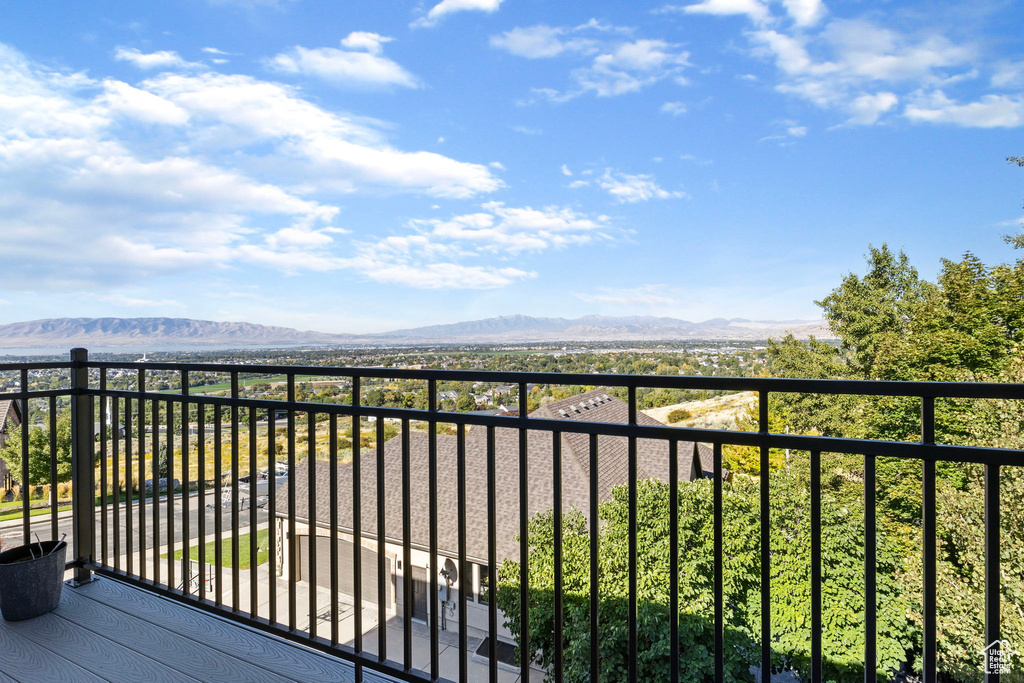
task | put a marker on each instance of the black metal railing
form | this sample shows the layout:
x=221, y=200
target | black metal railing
x=133, y=532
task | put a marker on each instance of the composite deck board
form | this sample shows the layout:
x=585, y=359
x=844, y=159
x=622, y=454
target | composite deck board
x=25, y=660
x=180, y=652
x=272, y=654
x=99, y=655
x=109, y=631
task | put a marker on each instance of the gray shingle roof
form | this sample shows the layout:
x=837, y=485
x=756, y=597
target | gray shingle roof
x=8, y=410
x=652, y=461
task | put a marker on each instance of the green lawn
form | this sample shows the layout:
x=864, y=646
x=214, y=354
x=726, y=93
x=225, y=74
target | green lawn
x=15, y=513
x=263, y=554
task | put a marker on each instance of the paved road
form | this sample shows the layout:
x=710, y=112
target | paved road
x=174, y=509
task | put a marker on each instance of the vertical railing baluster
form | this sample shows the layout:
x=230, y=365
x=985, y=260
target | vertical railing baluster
x=169, y=478
x=719, y=532
x=254, y=534
x=816, y=567
x=556, y=466
x=631, y=619
x=293, y=545
x=382, y=575
x=870, y=568
x=129, y=496
x=465, y=576
x=143, y=541
x=53, y=467
x=357, y=524
x=26, y=504
x=332, y=468
x=595, y=596
x=993, y=631
x=186, y=484
x=235, y=569
x=115, y=474
x=218, y=502
x=272, y=514
x=312, y=579
x=673, y=560
x=524, y=540
x=104, y=441
x=406, y=549
x=435, y=666
x=492, y=560
x=766, y=573
x=201, y=496
x=929, y=541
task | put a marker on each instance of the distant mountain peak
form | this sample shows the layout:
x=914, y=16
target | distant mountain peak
x=140, y=332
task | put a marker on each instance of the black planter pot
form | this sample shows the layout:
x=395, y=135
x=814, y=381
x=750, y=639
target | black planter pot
x=30, y=587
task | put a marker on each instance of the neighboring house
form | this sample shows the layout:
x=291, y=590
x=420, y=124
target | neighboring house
x=594, y=406
x=10, y=418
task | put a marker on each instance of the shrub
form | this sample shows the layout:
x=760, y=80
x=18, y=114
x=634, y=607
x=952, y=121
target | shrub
x=678, y=415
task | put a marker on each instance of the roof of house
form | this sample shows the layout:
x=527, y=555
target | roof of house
x=9, y=411
x=594, y=406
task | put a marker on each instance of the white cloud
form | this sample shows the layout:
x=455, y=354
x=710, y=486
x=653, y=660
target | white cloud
x=805, y=12
x=673, y=108
x=565, y=170
x=452, y=253
x=443, y=275
x=533, y=42
x=629, y=189
x=797, y=131
x=990, y=111
x=214, y=51
x=235, y=178
x=844, y=65
x=345, y=67
x=695, y=159
x=136, y=302
x=331, y=151
x=1008, y=75
x=506, y=230
x=446, y=7
x=630, y=67
x=615, y=65
x=364, y=40
x=753, y=9
x=140, y=105
x=163, y=59
x=645, y=296
x=866, y=109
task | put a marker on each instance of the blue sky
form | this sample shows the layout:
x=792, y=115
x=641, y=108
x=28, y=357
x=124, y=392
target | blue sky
x=366, y=166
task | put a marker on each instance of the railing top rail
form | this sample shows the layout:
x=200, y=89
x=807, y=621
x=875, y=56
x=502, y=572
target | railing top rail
x=772, y=385
x=898, y=449
x=41, y=365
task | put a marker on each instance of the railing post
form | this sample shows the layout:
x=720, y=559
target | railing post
x=82, y=466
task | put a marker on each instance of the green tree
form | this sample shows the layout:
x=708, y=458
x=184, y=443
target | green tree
x=871, y=314
x=39, y=452
x=843, y=582
x=163, y=468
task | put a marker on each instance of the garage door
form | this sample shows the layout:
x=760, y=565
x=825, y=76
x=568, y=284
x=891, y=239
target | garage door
x=346, y=580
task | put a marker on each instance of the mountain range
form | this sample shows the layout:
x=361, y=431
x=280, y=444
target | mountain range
x=141, y=332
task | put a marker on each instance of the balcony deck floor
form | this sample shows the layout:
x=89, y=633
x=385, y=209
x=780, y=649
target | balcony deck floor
x=109, y=631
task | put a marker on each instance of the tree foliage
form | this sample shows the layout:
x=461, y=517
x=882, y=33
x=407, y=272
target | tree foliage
x=39, y=452
x=843, y=583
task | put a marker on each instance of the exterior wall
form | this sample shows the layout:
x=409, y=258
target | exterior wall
x=476, y=613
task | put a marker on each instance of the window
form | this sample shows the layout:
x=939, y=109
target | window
x=483, y=595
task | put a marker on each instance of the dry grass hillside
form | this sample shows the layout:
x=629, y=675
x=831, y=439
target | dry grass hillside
x=713, y=413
